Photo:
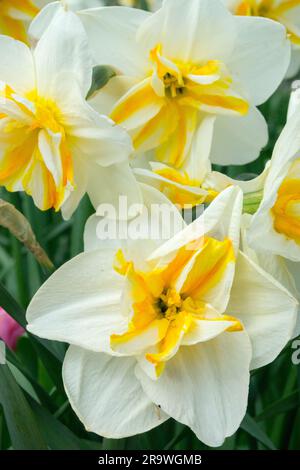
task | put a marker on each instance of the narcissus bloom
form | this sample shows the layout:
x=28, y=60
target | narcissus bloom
x=189, y=61
x=276, y=225
x=53, y=144
x=286, y=12
x=164, y=329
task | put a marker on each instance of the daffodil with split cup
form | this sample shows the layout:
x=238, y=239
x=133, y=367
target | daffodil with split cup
x=275, y=227
x=163, y=329
x=286, y=12
x=53, y=145
x=188, y=62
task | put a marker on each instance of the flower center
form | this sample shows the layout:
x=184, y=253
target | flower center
x=36, y=149
x=169, y=303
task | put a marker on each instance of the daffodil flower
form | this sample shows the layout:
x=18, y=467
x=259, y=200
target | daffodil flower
x=286, y=12
x=183, y=64
x=54, y=146
x=163, y=329
x=275, y=227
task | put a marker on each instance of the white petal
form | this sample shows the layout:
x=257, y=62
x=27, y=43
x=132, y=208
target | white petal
x=49, y=146
x=108, y=185
x=267, y=310
x=156, y=219
x=74, y=197
x=196, y=30
x=80, y=303
x=239, y=140
x=41, y=22
x=261, y=56
x=104, y=100
x=220, y=220
x=106, y=396
x=63, y=49
x=16, y=65
x=198, y=164
x=112, y=37
x=219, y=182
x=205, y=386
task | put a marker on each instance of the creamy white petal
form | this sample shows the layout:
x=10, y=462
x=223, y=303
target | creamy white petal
x=16, y=65
x=267, y=310
x=205, y=386
x=74, y=196
x=41, y=22
x=196, y=30
x=106, y=396
x=261, y=56
x=121, y=50
x=220, y=220
x=239, y=140
x=63, y=49
x=80, y=303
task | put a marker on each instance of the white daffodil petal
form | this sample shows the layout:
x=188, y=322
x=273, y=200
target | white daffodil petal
x=63, y=49
x=49, y=147
x=121, y=24
x=42, y=20
x=205, y=330
x=267, y=310
x=16, y=65
x=205, y=386
x=80, y=302
x=238, y=140
x=105, y=99
x=106, y=396
x=261, y=56
x=107, y=185
x=220, y=220
x=191, y=31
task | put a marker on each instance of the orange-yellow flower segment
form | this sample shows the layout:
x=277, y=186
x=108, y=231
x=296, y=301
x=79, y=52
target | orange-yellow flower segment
x=14, y=14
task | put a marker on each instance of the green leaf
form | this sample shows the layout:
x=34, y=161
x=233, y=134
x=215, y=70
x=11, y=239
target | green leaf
x=101, y=76
x=56, y=434
x=21, y=422
x=250, y=426
x=283, y=405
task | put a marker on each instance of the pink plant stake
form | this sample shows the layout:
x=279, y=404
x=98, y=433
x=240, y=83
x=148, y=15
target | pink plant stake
x=10, y=331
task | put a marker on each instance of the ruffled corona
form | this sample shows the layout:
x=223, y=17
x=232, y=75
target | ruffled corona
x=29, y=131
x=179, y=90
x=286, y=211
x=168, y=302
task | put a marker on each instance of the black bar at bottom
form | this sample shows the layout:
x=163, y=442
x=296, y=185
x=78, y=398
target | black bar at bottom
x=135, y=459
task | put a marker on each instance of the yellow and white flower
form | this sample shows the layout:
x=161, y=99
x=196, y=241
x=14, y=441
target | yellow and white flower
x=54, y=146
x=275, y=227
x=15, y=15
x=286, y=12
x=188, y=62
x=163, y=329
